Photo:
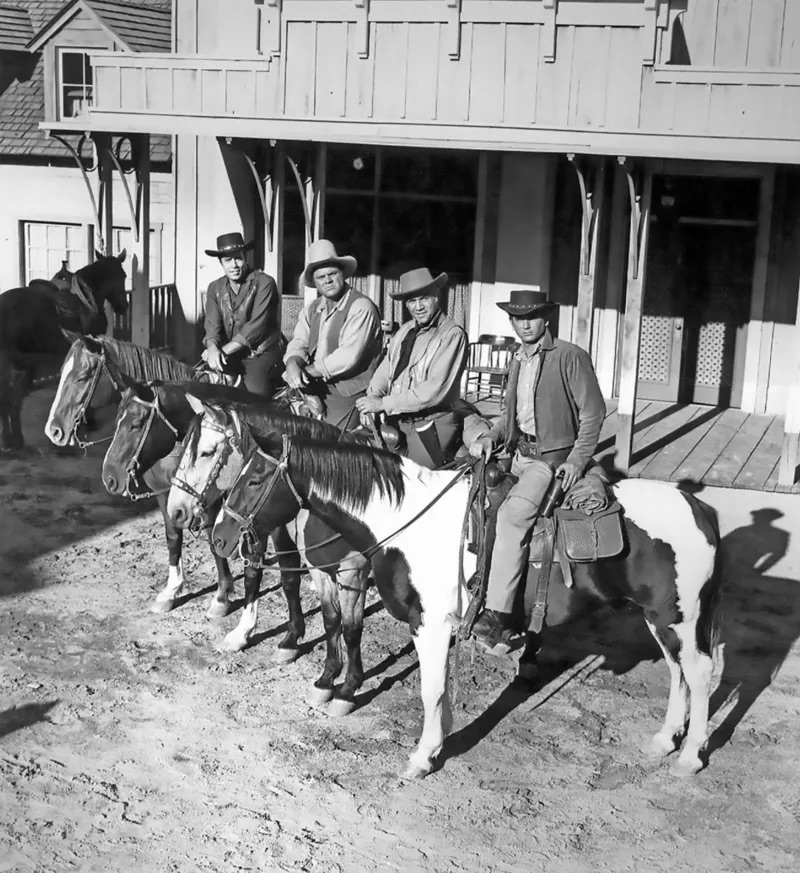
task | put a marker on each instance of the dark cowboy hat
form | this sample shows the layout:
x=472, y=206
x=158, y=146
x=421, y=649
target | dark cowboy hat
x=229, y=243
x=323, y=252
x=522, y=303
x=419, y=282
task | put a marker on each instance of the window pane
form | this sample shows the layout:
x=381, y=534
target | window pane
x=351, y=168
x=57, y=236
x=413, y=171
x=72, y=67
x=36, y=234
x=74, y=238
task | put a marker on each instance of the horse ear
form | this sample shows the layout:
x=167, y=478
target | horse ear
x=197, y=405
x=122, y=255
x=216, y=415
x=71, y=335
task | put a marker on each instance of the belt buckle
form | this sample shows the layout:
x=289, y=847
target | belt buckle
x=526, y=449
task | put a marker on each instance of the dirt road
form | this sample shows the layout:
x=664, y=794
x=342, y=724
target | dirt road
x=128, y=743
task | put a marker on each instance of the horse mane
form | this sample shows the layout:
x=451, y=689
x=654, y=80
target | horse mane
x=145, y=365
x=346, y=473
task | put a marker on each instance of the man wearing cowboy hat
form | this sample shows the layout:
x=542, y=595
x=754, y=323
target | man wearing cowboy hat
x=241, y=320
x=418, y=381
x=550, y=425
x=337, y=340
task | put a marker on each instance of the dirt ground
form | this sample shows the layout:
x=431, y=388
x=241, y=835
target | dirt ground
x=129, y=743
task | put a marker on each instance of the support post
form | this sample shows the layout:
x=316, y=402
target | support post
x=140, y=261
x=640, y=183
x=375, y=290
x=591, y=180
x=790, y=451
x=274, y=192
x=104, y=234
x=318, y=192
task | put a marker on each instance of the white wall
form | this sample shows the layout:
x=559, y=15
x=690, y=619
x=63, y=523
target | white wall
x=58, y=194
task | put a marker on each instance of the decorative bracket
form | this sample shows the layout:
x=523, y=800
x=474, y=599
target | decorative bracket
x=362, y=27
x=101, y=243
x=114, y=154
x=550, y=10
x=453, y=29
x=590, y=180
x=639, y=215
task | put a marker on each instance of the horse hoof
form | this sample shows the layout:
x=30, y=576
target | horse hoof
x=218, y=609
x=499, y=650
x=160, y=607
x=684, y=767
x=340, y=707
x=285, y=656
x=233, y=644
x=658, y=747
x=527, y=671
x=320, y=696
x=413, y=771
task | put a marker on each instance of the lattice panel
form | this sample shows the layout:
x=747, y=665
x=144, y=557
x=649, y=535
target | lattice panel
x=711, y=354
x=656, y=349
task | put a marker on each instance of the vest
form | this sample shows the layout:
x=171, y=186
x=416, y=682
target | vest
x=358, y=380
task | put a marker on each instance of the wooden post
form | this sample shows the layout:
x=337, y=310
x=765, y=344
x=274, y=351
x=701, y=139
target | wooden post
x=319, y=185
x=375, y=289
x=104, y=235
x=591, y=179
x=639, y=191
x=140, y=260
x=790, y=451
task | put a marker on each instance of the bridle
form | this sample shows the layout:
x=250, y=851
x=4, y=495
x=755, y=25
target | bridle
x=246, y=521
x=80, y=415
x=227, y=450
x=133, y=466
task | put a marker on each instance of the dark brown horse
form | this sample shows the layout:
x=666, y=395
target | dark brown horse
x=33, y=319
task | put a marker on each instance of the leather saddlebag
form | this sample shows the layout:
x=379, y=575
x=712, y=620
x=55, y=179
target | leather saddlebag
x=583, y=538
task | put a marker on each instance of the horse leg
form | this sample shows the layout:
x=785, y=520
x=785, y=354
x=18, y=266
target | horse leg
x=528, y=665
x=289, y=647
x=326, y=586
x=15, y=412
x=239, y=637
x=352, y=594
x=432, y=642
x=664, y=742
x=697, y=669
x=165, y=599
x=220, y=604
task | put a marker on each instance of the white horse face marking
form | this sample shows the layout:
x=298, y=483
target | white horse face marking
x=66, y=370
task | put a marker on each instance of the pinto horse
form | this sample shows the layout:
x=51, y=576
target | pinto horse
x=32, y=340
x=408, y=520
x=215, y=452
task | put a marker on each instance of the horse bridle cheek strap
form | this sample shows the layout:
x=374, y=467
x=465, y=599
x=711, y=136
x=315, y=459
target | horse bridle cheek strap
x=227, y=450
x=133, y=464
x=247, y=522
x=80, y=415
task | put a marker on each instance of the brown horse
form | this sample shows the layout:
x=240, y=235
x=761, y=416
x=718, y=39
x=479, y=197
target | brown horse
x=33, y=319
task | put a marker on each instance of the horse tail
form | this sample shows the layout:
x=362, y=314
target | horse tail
x=709, y=621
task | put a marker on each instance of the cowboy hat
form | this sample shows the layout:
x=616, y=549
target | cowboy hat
x=524, y=303
x=320, y=254
x=418, y=283
x=229, y=243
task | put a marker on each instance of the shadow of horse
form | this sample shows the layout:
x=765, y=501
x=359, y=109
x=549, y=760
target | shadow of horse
x=761, y=619
x=20, y=717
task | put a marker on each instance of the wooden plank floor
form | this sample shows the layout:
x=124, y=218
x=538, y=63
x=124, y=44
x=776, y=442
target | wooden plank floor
x=691, y=443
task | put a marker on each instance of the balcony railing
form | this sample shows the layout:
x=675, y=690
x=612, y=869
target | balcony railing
x=162, y=321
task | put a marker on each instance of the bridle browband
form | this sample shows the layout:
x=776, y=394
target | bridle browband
x=133, y=466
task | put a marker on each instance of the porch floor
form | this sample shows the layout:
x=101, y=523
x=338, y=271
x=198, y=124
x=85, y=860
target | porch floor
x=674, y=442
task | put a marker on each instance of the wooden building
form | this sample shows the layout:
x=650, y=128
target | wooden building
x=636, y=158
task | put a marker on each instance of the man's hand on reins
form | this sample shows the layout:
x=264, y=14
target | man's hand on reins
x=570, y=474
x=215, y=358
x=295, y=375
x=482, y=448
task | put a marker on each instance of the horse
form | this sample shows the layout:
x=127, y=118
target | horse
x=32, y=323
x=408, y=521
x=340, y=576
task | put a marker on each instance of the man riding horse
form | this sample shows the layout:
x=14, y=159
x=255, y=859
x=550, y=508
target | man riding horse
x=418, y=381
x=242, y=337
x=553, y=411
x=337, y=340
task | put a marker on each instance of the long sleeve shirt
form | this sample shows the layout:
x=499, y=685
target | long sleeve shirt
x=360, y=335
x=433, y=375
x=248, y=317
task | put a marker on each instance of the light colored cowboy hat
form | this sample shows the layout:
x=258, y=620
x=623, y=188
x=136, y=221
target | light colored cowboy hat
x=320, y=254
x=229, y=243
x=524, y=303
x=419, y=283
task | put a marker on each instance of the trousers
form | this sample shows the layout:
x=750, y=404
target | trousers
x=515, y=520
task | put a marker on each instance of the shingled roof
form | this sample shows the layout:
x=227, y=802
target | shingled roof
x=16, y=29
x=142, y=25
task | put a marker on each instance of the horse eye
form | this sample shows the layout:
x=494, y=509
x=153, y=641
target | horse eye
x=206, y=453
x=137, y=425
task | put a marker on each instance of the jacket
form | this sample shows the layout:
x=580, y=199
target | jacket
x=249, y=317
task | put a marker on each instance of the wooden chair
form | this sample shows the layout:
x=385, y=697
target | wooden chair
x=487, y=366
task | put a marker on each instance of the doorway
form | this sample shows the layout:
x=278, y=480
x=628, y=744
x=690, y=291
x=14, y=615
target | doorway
x=698, y=289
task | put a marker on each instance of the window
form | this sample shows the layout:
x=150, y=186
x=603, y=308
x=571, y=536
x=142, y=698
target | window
x=47, y=246
x=75, y=84
x=122, y=238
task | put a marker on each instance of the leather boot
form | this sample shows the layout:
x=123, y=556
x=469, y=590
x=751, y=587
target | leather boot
x=492, y=629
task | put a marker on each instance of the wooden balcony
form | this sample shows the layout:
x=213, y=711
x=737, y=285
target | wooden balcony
x=500, y=92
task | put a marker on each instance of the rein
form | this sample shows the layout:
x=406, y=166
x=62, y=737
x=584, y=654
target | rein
x=246, y=521
x=133, y=466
